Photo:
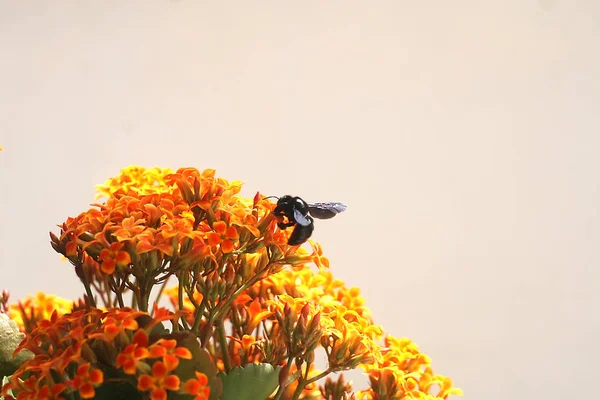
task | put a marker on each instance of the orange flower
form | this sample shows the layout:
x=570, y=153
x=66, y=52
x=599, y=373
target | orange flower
x=112, y=257
x=181, y=227
x=151, y=239
x=168, y=350
x=86, y=380
x=223, y=235
x=198, y=387
x=118, y=320
x=31, y=390
x=256, y=314
x=244, y=351
x=159, y=382
x=317, y=255
x=130, y=227
x=131, y=356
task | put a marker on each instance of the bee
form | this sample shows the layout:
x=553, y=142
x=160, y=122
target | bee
x=293, y=211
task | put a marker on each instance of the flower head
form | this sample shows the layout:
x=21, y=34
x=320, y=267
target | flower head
x=86, y=380
x=198, y=387
x=158, y=382
x=223, y=235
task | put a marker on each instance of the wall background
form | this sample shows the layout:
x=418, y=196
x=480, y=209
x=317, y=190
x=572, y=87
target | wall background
x=462, y=135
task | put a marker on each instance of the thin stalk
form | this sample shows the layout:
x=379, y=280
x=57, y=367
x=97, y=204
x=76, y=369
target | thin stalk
x=223, y=307
x=223, y=341
x=161, y=289
x=302, y=383
x=198, y=316
x=118, y=293
x=281, y=388
x=180, y=300
x=317, y=377
x=88, y=290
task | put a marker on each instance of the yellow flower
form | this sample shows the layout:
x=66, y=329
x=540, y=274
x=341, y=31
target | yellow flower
x=33, y=309
x=404, y=372
x=172, y=294
x=136, y=179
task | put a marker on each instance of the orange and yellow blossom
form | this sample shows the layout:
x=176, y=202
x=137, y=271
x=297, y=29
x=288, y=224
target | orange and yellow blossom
x=71, y=344
x=38, y=307
x=234, y=267
x=197, y=387
x=158, y=382
x=317, y=287
x=181, y=219
x=138, y=180
x=130, y=359
x=403, y=371
x=170, y=353
x=224, y=236
x=112, y=257
x=86, y=380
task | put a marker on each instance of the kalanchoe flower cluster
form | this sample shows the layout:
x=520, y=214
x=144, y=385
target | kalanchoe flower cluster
x=77, y=352
x=242, y=297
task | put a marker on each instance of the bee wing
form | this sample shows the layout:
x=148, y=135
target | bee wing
x=301, y=219
x=326, y=210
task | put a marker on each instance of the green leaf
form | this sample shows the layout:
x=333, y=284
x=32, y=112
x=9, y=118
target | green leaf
x=252, y=382
x=10, y=338
x=201, y=362
x=117, y=391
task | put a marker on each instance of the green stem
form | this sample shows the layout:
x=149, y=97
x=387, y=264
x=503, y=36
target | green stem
x=224, y=347
x=282, y=387
x=223, y=307
x=180, y=293
x=180, y=299
x=88, y=291
x=303, y=382
x=117, y=291
x=299, y=389
x=198, y=316
x=317, y=377
x=160, y=290
x=143, y=297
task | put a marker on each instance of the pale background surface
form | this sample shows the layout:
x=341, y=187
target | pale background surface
x=463, y=135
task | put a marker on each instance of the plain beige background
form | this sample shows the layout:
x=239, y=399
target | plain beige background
x=463, y=135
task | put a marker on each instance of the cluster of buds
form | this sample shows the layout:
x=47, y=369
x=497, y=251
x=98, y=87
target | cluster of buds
x=248, y=309
x=337, y=389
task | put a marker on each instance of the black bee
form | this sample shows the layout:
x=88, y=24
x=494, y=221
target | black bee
x=293, y=211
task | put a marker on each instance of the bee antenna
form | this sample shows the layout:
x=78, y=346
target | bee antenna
x=271, y=197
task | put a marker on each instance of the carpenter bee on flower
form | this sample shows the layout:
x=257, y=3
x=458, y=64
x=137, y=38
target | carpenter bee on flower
x=294, y=211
